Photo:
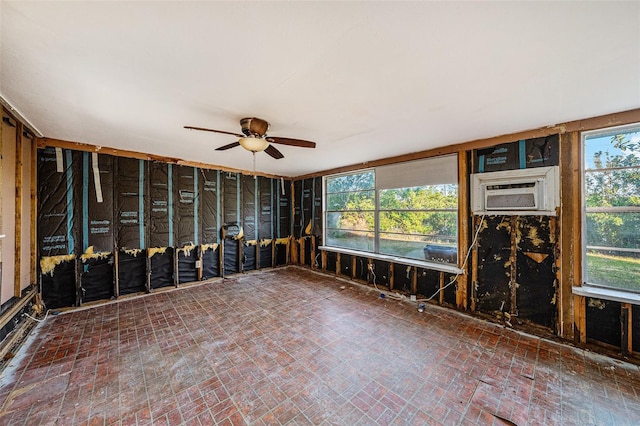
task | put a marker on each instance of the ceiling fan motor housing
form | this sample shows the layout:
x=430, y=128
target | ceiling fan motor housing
x=254, y=127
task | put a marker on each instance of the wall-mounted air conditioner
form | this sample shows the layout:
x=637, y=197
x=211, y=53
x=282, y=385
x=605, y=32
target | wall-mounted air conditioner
x=532, y=191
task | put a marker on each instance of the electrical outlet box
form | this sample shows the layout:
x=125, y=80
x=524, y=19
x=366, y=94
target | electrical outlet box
x=198, y=264
x=413, y=298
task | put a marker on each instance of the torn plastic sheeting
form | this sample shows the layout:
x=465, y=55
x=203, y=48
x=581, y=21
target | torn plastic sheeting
x=187, y=271
x=266, y=255
x=210, y=262
x=231, y=264
x=317, y=207
x=97, y=281
x=130, y=209
x=132, y=271
x=97, y=208
x=59, y=287
x=249, y=258
x=249, y=205
x=283, y=224
x=266, y=208
x=186, y=201
x=231, y=198
x=160, y=205
x=210, y=195
x=55, y=206
x=298, y=211
x=161, y=264
x=281, y=255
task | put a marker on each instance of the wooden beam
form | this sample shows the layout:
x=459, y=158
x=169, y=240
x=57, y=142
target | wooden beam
x=414, y=280
x=34, y=212
x=353, y=268
x=19, y=169
x=17, y=307
x=323, y=258
x=441, y=293
x=580, y=319
x=116, y=279
x=81, y=146
x=569, y=244
x=462, y=297
x=392, y=275
x=627, y=329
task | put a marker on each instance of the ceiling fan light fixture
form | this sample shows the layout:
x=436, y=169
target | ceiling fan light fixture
x=253, y=144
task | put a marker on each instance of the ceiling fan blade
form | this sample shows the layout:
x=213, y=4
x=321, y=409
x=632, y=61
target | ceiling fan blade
x=229, y=146
x=272, y=151
x=292, y=142
x=214, y=131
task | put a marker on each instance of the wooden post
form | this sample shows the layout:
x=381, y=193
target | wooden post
x=414, y=280
x=474, y=275
x=570, y=316
x=462, y=298
x=441, y=294
x=323, y=258
x=353, y=268
x=626, y=325
x=302, y=248
x=338, y=263
x=148, y=266
x=580, y=319
x=392, y=275
x=116, y=281
x=273, y=252
x=18, y=213
x=176, y=273
x=34, y=211
x=221, y=257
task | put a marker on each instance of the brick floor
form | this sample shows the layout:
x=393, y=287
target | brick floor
x=289, y=346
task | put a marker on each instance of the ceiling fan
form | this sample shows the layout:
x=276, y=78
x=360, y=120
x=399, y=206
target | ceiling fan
x=254, y=138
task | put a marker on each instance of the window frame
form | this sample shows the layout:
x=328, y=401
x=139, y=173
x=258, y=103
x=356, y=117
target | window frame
x=600, y=287
x=376, y=254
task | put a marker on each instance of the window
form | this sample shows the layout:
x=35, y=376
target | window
x=350, y=211
x=611, y=208
x=405, y=210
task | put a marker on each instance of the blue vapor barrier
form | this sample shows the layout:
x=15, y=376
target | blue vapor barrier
x=110, y=226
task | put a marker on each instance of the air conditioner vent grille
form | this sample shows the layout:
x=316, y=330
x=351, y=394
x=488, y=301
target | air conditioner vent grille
x=511, y=201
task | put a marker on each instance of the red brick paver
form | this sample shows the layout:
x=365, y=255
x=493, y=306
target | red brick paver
x=289, y=346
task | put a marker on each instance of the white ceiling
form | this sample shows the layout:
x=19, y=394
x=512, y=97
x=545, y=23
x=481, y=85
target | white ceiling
x=365, y=80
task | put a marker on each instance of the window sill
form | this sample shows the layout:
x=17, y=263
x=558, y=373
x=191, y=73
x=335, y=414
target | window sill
x=400, y=260
x=607, y=294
